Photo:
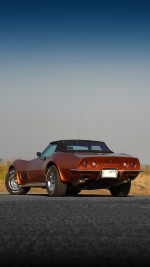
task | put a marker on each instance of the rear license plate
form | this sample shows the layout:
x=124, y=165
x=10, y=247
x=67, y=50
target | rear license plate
x=109, y=173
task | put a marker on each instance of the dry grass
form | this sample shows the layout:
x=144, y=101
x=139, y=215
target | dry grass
x=140, y=186
x=3, y=169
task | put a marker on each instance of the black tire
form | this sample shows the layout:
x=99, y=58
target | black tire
x=120, y=190
x=72, y=190
x=12, y=185
x=55, y=187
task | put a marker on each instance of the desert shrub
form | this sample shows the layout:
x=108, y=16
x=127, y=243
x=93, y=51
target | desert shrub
x=4, y=165
x=146, y=169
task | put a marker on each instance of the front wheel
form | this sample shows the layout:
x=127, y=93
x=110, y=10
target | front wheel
x=120, y=190
x=12, y=185
x=55, y=187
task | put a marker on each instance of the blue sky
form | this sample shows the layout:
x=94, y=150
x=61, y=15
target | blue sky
x=66, y=63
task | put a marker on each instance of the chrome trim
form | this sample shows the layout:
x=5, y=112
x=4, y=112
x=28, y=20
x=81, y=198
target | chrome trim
x=79, y=170
x=34, y=185
x=131, y=171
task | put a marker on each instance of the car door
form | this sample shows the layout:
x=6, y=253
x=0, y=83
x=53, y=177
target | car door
x=36, y=170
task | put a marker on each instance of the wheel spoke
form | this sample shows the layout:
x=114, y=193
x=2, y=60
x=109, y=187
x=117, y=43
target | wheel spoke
x=55, y=187
x=13, y=182
x=51, y=182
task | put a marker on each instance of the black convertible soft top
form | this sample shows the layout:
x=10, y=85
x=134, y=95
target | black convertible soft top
x=81, y=145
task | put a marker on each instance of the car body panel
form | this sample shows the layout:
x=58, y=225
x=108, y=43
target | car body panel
x=70, y=165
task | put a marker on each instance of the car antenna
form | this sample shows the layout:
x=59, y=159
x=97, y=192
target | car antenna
x=78, y=133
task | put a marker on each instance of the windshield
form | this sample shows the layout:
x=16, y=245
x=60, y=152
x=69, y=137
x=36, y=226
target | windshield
x=49, y=150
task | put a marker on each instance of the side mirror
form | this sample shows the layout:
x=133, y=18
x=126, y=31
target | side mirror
x=38, y=154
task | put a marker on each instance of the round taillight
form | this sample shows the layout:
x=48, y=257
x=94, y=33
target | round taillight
x=125, y=164
x=133, y=164
x=94, y=163
x=85, y=164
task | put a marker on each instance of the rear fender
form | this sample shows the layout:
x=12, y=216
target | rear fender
x=62, y=177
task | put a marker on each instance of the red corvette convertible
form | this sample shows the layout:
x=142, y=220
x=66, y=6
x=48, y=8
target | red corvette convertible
x=66, y=167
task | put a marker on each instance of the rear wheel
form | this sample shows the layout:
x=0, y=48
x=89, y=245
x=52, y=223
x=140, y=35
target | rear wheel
x=120, y=190
x=55, y=187
x=12, y=185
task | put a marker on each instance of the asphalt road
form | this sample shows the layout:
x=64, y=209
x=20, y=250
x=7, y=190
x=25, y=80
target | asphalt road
x=87, y=230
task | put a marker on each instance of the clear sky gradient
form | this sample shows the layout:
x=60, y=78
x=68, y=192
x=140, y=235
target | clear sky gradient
x=74, y=69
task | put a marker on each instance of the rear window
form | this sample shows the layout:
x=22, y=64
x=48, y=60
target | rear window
x=88, y=146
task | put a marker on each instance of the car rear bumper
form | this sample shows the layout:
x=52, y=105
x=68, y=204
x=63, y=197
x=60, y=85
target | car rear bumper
x=97, y=174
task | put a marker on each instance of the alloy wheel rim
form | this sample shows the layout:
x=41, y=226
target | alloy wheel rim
x=13, y=182
x=51, y=182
